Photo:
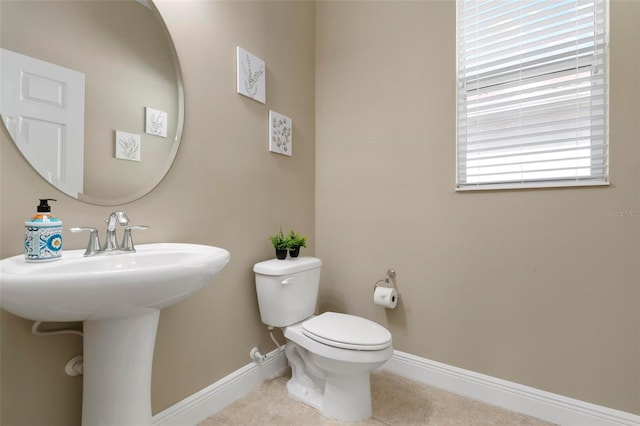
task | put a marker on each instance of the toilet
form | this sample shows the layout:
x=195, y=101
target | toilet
x=331, y=354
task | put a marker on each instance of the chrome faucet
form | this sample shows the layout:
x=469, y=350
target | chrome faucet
x=117, y=217
x=111, y=246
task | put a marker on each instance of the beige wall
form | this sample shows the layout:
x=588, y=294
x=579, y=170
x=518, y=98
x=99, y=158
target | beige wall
x=224, y=189
x=539, y=287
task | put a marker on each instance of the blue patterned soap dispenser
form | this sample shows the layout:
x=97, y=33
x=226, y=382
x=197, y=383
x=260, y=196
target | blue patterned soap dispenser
x=43, y=235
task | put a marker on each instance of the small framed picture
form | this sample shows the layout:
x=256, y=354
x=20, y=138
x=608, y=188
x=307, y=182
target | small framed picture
x=127, y=146
x=280, y=134
x=156, y=122
x=251, y=79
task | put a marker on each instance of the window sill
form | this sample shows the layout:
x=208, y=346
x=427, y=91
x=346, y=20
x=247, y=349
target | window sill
x=529, y=185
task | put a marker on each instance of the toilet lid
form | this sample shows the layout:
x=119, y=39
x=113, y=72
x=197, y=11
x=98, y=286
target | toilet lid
x=347, y=332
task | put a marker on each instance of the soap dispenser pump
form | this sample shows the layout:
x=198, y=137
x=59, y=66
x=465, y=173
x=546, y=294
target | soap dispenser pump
x=43, y=235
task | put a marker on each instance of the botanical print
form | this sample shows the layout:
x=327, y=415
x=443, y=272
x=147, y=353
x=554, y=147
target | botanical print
x=280, y=138
x=251, y=76
x=156, y=122
x=127, y=146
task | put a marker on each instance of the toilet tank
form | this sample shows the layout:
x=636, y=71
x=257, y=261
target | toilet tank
x=287, y=289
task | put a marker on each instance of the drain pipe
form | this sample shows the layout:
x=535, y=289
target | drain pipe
x=75, y=366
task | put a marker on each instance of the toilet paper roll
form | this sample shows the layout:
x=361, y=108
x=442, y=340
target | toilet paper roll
x=385, y=296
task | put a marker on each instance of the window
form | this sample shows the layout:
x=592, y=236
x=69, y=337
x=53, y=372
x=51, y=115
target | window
x=532, y=93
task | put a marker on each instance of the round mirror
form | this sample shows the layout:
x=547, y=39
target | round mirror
x=91, y=94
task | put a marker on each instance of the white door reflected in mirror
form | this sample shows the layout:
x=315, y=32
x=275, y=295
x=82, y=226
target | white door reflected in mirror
x=42, y=106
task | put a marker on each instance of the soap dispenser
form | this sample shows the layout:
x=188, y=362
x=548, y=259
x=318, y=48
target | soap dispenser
x=43, y=235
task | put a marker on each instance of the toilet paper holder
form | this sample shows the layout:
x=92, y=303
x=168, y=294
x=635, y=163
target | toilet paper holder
x=389, y=278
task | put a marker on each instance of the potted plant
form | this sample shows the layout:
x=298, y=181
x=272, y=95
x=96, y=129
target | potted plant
x=295, y=242
x=280, y=243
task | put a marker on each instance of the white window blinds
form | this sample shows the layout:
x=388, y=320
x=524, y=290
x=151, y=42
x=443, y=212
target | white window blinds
x=532, y=93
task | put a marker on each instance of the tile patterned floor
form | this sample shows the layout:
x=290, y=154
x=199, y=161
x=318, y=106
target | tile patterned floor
x=396, y=402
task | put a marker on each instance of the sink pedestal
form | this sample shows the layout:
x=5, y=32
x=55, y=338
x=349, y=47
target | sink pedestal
x=118, y=298
x=118, y=354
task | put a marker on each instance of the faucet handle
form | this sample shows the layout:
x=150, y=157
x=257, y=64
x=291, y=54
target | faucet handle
x=127, y=240
x=93, y=246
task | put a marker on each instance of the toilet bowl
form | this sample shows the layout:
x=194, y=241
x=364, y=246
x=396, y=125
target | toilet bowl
x=335, y=379
x=332, y=354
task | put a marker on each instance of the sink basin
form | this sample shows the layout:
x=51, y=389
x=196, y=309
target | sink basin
x=118, y=298
x=77, y=288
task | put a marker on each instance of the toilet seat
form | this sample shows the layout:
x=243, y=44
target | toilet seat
x=347, y=332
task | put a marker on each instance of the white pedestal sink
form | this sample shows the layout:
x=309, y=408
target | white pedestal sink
x=118, y=297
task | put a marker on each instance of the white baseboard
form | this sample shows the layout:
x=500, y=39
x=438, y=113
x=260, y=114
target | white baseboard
x=511, y=396
x=208, y=401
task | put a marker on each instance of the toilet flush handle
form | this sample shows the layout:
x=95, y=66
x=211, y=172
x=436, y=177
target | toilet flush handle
x=287, y=281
